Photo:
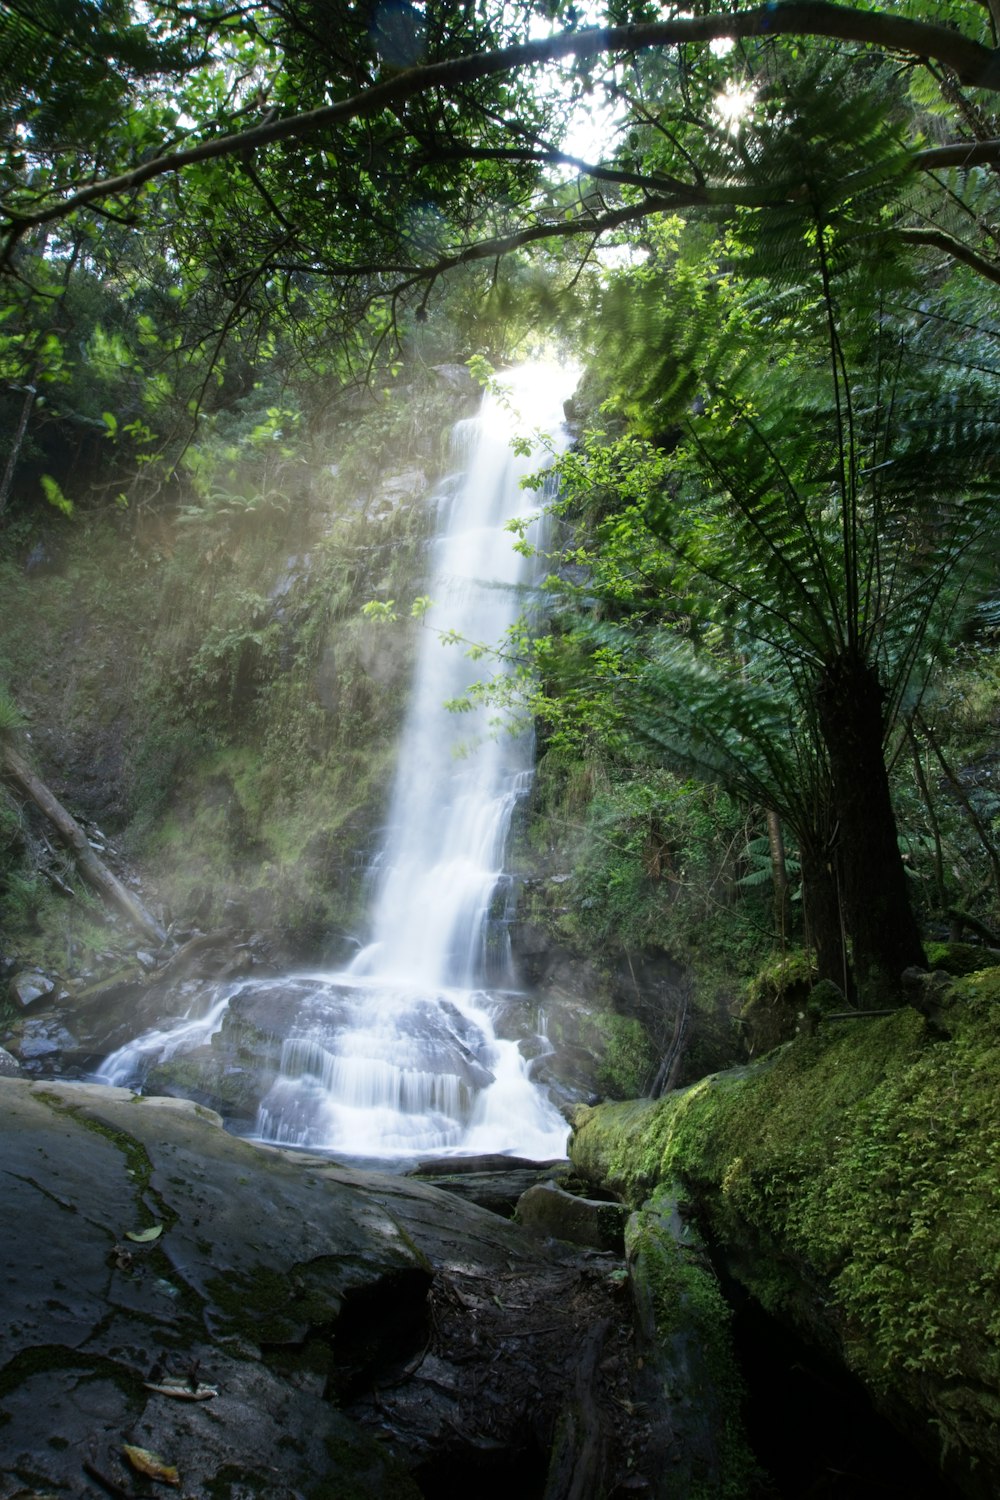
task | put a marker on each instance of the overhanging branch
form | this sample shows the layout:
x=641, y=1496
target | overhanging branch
x=973, y=63
x=938, y=240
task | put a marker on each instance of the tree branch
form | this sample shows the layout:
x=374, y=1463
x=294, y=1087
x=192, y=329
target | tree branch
x=958, y=154
x=938, y=240
x=973, y=64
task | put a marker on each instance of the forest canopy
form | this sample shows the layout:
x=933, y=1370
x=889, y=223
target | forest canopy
x=319, y=161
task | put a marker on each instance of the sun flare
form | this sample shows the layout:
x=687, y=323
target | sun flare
x=734, y=104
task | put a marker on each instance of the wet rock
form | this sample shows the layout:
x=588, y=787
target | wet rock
x=547, y=1211
x=436, y=1031
x=294, y=1328
x=690, y=1377
x=30, y=986
x=403, y=486
x=9, y=1066
x=45, y=1046
x=931, y=995
x=496, y=1183
x=457, y=378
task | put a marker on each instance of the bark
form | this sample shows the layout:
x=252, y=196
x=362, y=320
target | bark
x=874, y=897
x=670, y=1065
x=93, y=870
x=779, y=877
x=824, y=929
x=7, y=482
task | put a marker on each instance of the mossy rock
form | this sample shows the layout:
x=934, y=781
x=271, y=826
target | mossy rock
x=851, y=1182
x=959, y=959
x=683, y=1327
x=776, y=1008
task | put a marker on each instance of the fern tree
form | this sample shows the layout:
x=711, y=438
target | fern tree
x=828, y=500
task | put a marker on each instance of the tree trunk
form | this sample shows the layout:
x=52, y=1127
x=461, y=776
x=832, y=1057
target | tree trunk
x=874, y=898
x=779, y=877
x=824, y=929
x=94, y=871
x=7, y=482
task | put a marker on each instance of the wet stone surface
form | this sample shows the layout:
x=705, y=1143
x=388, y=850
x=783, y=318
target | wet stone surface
x=272, y=1323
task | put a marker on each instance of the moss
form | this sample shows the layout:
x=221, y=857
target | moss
x=629, y=1062
x=267, y=1306
x=777, y=1000
x=137, y=1162
x=853, y=1179
x=679, y=1304
x=234, y=1482
x=44, y=1358
x=958, y=958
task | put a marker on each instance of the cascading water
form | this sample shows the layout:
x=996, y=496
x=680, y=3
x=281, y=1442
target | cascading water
x=398, y=1055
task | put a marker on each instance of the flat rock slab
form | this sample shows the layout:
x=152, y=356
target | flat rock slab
x=494, y=1182
x=272, y=1323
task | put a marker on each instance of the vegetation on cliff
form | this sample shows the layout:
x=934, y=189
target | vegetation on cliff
x=202, y=683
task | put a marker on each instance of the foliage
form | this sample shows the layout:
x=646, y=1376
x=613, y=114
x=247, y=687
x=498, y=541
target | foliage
x=214, y=669
x=794, y=473
x=629, y=1062
x=293, y=184
x=772, y=579
x=11, y=717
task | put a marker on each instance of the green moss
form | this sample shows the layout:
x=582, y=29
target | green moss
x=679, y=1303
x=233, y=1482
x=776, y=1007
x=853, y=1178
x=44, y=1358
x=629, y=1062
x=137, y=1163
x=958, y=958
x=267, y=1306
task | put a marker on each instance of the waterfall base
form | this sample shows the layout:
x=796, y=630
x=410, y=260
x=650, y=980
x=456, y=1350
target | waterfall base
x=360, y=1068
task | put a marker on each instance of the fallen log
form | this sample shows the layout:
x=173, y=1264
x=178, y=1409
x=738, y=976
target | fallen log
x=92, y=870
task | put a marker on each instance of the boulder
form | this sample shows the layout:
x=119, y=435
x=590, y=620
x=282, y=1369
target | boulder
x=848, y=1182
x=457, y=378
x=547, y=1211
x=30, y=986
x=494, y=1182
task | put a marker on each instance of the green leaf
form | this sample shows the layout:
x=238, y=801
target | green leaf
x=55, y=496
x=381, y=610
x=144, y=1236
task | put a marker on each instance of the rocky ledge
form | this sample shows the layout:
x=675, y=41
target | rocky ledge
x=186, y=1309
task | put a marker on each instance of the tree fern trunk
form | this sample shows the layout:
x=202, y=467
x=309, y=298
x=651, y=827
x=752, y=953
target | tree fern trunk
x=874, y=898
x=824, y=932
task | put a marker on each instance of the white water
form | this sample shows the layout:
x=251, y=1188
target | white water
x=198, y=1025
x=398, y=1055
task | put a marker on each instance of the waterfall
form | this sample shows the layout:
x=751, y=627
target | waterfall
x=398, y=1054
x=458, y=779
